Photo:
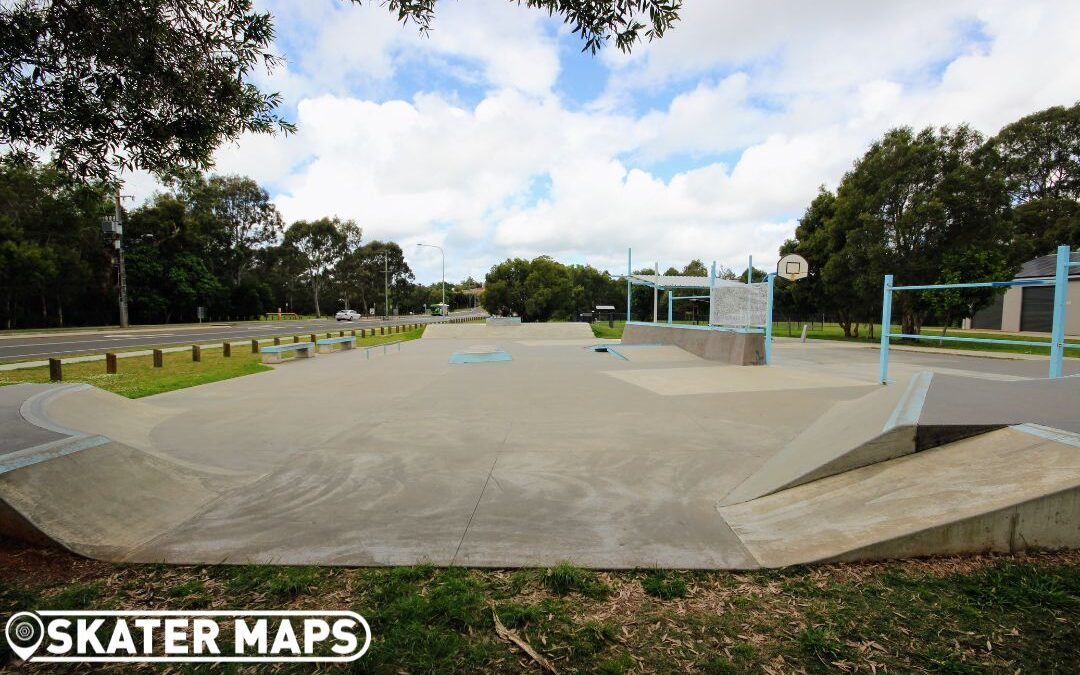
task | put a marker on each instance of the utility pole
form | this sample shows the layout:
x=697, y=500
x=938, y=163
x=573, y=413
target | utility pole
x=386, y=285
x=113, y=228
x=123, y=271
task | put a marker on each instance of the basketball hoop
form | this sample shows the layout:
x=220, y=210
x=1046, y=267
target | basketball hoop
x=792, y=267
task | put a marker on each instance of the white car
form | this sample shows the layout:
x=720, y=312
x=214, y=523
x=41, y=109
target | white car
x=347, y=315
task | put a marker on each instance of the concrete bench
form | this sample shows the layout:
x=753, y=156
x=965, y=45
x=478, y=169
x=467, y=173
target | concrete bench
x=273, y=354
x=326, y=346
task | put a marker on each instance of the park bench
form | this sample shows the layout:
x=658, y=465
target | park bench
x=326, y=346
x=273, y=354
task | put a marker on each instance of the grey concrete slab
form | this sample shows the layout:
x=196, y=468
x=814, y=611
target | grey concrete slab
x=959, y=400
x=560, y=454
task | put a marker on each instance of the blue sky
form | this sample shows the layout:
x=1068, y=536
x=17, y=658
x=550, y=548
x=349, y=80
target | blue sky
x=496, y=136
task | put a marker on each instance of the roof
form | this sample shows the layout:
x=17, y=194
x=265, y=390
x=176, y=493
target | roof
x=1044, y=267
x=664, y=281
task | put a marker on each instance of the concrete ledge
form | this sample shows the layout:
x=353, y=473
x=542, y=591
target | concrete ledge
x=740, y=349
x=504, y=320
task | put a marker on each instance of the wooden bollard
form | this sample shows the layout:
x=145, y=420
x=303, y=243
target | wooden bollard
x=159, y=358
x=110, y=363
x=254, y=346
x=277, y=341
x=341, y=333
x=313, y=338
x=56, y=372
x=196, y=353
x=382, y=330
x=328, y=335
x=296, y=339
x=226, y=349
x=352, y=333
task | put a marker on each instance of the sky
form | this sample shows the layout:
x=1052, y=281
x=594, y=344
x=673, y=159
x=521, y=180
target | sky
x=496, y=137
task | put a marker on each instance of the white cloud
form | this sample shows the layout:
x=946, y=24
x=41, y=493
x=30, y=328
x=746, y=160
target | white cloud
x=706, y=144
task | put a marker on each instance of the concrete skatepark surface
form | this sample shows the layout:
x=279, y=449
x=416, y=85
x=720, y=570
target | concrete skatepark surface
x=648, y=457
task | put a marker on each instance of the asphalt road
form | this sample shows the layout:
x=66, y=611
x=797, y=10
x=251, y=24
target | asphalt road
x=15, y=348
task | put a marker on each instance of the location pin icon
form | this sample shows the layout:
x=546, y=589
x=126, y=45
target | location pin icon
x=24, y=633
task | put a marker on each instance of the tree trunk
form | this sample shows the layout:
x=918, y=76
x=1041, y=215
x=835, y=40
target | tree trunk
x=315, y=289
x=60, y=311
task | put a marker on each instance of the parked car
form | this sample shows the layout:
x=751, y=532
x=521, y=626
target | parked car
x=347, y=315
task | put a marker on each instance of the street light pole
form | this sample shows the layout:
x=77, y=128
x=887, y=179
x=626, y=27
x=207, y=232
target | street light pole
x=386, y=286
x=445, y=308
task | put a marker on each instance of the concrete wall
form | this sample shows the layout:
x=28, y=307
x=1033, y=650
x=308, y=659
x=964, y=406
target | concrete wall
x=740, y=349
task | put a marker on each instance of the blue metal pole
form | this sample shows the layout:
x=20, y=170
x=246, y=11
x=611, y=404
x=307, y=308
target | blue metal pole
x=629, y=271
x=712, y=285
x=1061, y=292
x=886, y=328
x=768, y=321
x=670, y=302
x=750, y=271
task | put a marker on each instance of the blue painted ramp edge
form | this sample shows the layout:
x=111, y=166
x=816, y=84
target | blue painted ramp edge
x=480, y=357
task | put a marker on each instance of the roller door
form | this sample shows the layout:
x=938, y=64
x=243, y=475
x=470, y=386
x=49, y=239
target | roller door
x=1037, y=309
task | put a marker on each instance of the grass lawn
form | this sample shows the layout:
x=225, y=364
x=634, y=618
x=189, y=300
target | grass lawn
x=136, y=377
x=956, y=615
x=832, y=331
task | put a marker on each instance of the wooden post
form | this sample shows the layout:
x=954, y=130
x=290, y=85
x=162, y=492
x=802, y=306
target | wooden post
x=382, y=330
x=313, y=338
x=352, y=333
x=254, y=346
x=226, y=349
x=159, y=358
x=341, y=333
x=110, y=363
x=56, y=373
x=328, y=335
x=277, y=341
x=196, y=353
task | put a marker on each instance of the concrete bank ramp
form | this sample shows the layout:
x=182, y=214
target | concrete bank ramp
x=94, y=495
x=1005, y=491
x=524, y=331
x=927, y=411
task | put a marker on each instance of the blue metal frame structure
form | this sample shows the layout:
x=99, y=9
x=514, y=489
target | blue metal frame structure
x=767, y=329
x=1057, y=343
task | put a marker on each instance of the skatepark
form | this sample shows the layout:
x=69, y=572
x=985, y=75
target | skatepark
x=564, y=448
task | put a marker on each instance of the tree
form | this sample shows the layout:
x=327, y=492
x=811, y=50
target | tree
x=970, y=266
x=238, y=208
x=1038, y=158
x=160, y=84
x=111, y=86
x=912, y=198
x=52, y=254
x=364, y=272
x=321, y=243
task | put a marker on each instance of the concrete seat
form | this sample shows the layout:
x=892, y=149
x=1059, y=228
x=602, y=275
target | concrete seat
x=273, y=354
x=326, y=346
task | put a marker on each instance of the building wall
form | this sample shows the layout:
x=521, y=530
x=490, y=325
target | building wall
x=1010, y=313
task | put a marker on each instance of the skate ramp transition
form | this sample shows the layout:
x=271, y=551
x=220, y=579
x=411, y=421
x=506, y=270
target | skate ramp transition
x=98, y=496
x=935, y=465
x=521, y=331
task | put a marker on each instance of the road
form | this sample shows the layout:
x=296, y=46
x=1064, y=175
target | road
x=16, y=348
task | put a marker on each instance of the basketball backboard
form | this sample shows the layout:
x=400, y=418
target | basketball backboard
x=792, y=267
